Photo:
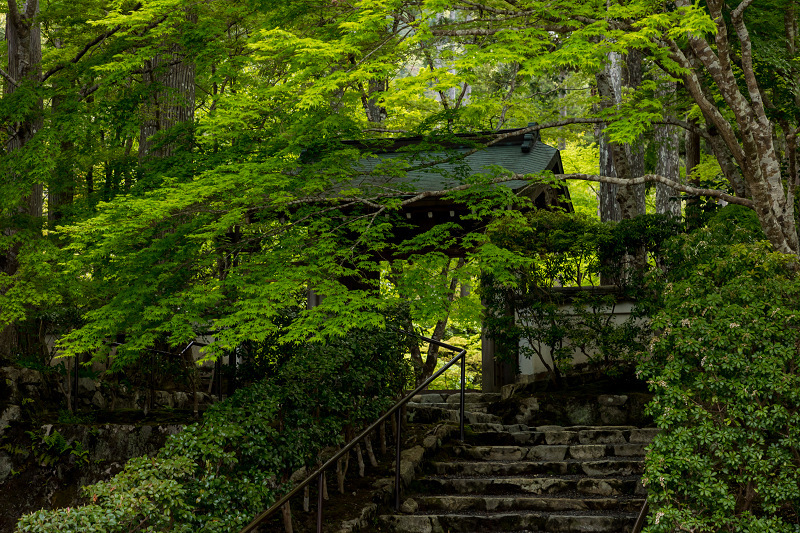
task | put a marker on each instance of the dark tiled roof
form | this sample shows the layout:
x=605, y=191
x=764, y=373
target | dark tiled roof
x=509, y=156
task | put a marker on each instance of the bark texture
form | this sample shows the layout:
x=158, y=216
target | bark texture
x=635, y=195
x=609, y=84
x=668, y=165
x=171, y=76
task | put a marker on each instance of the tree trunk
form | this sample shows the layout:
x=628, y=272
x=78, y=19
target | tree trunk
x=609, y=84
x=668, y=201
x=432, y=357
x=692, y=161
x=24, y=45
x=171, y=76
x=635, y=151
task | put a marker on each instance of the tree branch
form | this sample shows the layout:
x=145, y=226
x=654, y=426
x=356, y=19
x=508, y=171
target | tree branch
x=592, y=177
x=8, y=77
x=710, y=111
x=82, y=53
x=13, y=13
x=737, y=13
x=712, y=193
x=472, y=31
x=747, y=58
x=495, y=10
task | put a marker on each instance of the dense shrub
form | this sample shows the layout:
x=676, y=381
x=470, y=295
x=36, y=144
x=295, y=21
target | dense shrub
x=723, y=364
x=218, y=474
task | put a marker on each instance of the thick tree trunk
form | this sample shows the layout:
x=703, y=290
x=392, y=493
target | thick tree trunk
x=24, y=45
x=172, y=78
x=635, y=151
x=668, y=201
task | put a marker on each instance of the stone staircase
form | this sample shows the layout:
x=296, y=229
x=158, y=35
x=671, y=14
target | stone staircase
x=523, y=478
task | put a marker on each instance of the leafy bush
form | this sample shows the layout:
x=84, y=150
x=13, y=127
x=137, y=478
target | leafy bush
x=216, y=475
x=723, y=366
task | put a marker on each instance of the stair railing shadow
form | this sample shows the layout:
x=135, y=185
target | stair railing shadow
x=396, y=410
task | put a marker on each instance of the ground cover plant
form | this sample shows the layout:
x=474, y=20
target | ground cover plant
x=216, y=475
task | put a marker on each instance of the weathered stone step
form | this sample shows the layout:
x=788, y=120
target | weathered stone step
x=546, y=452
x=519, y=502
x=472, y=407
x=602, y=467
x=515, y=435
x=435, y=414
x=462, y=523
x=469, y=397
x=531, y=485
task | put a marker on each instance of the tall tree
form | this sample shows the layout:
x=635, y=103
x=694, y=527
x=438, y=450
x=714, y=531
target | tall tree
x=22, y=81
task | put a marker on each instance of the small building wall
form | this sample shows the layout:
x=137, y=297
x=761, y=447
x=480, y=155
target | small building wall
x=530, y=366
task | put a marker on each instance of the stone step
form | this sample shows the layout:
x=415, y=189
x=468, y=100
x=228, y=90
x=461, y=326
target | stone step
x=520, y=502
x=436, y=414
x=469, y=397
x=603, y=467
x=524, y=427
x=551, y=523
x=592, y=486
x=472, y=407
x=513, y=435
x=546, y=452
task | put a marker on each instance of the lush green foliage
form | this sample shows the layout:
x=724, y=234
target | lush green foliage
x=254, y=201
x=723, y=366
x=218, y=474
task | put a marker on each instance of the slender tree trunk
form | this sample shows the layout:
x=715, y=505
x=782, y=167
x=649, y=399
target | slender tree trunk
x=432, y=357
x=666, y=138
x=609, y=84
x=692, y=161
x=287, y=518
x=360, y=457
x=370, y=453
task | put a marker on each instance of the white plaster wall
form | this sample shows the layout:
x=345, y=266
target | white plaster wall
x=532, y=365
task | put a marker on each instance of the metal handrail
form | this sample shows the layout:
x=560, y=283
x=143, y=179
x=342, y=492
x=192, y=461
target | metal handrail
x=319, y=472
x=639, y=525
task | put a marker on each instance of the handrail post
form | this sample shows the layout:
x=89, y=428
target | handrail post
x=463, y=384
x=319, y=502
x=397, y=463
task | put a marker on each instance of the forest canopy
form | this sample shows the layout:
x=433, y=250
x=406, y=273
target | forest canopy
x=173, y=168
